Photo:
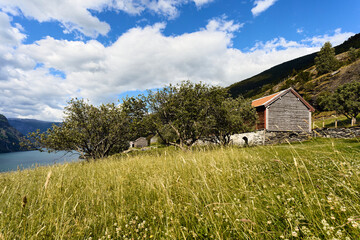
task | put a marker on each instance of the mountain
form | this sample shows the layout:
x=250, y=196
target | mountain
x=310, y=85
x=9, y=136
x=26, y=126
x=269, y=78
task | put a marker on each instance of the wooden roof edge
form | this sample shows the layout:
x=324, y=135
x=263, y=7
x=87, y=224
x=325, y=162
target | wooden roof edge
x=263, y=103
x=311, y=108
x=282, y=93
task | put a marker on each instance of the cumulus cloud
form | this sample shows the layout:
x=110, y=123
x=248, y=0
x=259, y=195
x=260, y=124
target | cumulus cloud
x=141, y=58
x=337, y=38
x=76, y=16
x=199, y=3
x=261, y=6
x=9, y=36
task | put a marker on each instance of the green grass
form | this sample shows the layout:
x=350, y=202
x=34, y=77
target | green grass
x=329, y=121
x=302, y=191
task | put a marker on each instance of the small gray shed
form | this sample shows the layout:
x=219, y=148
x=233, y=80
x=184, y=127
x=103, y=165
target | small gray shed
x=283, y=111
x=140, y=142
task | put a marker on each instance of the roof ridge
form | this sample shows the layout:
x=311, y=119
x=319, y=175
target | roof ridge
x=267, y=95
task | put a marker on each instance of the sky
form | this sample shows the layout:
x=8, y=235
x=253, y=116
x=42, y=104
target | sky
x=54, y=50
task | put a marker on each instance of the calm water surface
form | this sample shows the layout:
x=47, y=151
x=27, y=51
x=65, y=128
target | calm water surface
x=29, y=159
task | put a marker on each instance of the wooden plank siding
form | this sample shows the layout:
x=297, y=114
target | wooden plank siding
x=287, y=113
x=260, y=124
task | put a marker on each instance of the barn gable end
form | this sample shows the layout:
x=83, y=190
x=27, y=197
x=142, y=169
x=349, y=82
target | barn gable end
x=288, y=113
x=283, y=111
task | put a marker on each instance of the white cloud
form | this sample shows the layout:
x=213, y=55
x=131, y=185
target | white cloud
x=141, y=58
x=75, y=15
x=335, y=39
x=300, y=30
x=200, y=3
x=261, y=6
x=9, y=36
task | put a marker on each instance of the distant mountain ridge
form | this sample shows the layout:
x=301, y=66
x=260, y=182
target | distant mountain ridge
x=26, y=126
x=265, y=80
x=9, y=136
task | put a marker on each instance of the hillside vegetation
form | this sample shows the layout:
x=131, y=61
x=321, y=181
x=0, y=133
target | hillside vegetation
x=26, y=126
x=312, y=86
x=300, y=191
x=9, y=136
x=258, y=84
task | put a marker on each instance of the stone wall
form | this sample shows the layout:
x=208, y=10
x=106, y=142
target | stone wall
x=250, y=138
x=350, y=132
x=286, y=136
x=276, y=137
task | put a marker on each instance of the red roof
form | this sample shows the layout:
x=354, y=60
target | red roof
x=261, y=101
x=267, y=100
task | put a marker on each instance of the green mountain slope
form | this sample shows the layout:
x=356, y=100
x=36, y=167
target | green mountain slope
x=269, y=78
x=26, y=126
x=9, y=136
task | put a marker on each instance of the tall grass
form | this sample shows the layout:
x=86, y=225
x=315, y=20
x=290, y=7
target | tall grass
x=299, y=191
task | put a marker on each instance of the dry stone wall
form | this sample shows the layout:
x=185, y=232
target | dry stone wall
x=276, y=137
x=262, y=137
x=337, y=132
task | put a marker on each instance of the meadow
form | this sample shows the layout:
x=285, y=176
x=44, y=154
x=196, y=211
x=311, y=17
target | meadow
x=306, y=190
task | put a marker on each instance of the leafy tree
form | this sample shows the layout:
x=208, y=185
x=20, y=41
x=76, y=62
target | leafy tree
x=136, y=111
x=325, y=60
x=182, y=109
x=94, y=132
x=345, y=100
x=187, y=112
x=353, y=55
x=231, y=116
x=303, y=77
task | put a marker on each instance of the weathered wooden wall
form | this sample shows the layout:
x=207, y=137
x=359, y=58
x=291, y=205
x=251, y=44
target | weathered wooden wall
x=288, y=113
x=260, y=124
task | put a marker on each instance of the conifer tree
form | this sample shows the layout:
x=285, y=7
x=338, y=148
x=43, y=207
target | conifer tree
x=325, y=60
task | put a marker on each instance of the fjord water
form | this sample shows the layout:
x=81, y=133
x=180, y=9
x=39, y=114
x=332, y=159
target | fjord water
x=28, y=159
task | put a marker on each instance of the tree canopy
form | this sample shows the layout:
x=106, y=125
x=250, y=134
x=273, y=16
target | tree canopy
x=187, y=112
x=325, y=60
x=93, y=131
x=345, y=100
x=179, y=114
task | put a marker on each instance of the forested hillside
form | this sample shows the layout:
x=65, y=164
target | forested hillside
x=26, y=126
x=9, y=136
x=260, y=83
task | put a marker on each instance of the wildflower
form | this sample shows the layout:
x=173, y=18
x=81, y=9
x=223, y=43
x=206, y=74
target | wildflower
x=269, y=222
x=354, y=224
x=339, y=233
x=294, y=234
x=305, y=230
x=343, y=209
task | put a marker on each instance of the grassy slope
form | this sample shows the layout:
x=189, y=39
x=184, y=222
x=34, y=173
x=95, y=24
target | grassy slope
x=309, y=189
x=327, y=119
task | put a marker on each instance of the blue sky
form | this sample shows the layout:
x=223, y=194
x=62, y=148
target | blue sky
x=54, y=50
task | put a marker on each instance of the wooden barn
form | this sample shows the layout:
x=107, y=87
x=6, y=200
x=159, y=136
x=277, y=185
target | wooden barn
x=283, y=111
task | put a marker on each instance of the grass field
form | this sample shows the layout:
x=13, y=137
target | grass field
x=302, y=191
x=327, y=119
